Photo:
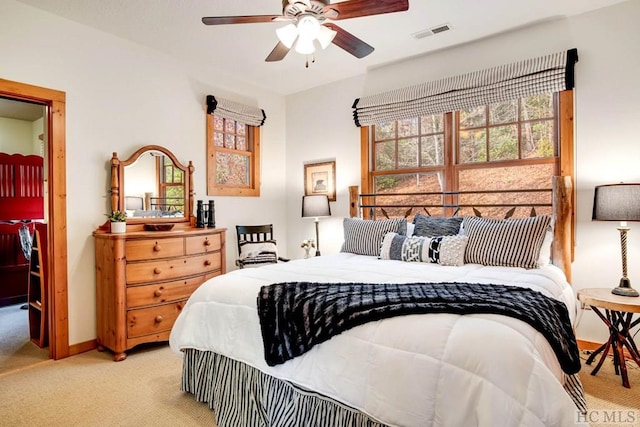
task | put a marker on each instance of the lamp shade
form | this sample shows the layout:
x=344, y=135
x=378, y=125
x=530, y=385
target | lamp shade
x=617, y=202
x=315, y=206
x=326, y=36
x=305, y=46
x=287, y=35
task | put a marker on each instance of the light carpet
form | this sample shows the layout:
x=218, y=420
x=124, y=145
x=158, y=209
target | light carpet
x=16, y=349
x=92, y=390
x=610, y=404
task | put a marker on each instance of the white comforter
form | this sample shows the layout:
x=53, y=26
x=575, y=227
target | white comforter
x=418, y=370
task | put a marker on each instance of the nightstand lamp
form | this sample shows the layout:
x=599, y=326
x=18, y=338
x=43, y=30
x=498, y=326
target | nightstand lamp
x=619, y=202
x=316, y=207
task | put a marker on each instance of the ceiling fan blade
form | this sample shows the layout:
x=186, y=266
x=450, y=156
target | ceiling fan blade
x=278, y=53
x=358, y=8
x=349, y=42
x=223, y=20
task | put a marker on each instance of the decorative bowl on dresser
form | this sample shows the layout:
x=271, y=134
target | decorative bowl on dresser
x=143, y=277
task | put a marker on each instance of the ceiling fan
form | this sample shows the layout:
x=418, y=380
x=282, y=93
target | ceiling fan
x=308, y=24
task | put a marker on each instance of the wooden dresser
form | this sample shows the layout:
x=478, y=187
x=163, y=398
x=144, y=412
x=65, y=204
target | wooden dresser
x=144, y=278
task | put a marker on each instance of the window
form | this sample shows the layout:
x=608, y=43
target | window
x=519, y=144
x=171, y=186
x=233, y=157
x=511, y=130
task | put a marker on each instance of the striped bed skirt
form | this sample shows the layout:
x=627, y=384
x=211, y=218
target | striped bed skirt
x=241, y=395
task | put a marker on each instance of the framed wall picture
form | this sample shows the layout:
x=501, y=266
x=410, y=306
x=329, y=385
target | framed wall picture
x=320, y=178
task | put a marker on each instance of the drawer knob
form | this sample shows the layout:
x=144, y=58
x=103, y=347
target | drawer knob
x=207, y=262
x=207, y=242
x=157, y=270
x=156, y=248
x=158, y=319
x=157, y=293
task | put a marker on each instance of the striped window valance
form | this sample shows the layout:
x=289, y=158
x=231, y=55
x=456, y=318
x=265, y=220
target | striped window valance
x=550, y=73
x=246, y=114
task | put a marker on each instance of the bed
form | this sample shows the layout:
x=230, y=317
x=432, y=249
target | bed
x=21, y=203
x=416, y=367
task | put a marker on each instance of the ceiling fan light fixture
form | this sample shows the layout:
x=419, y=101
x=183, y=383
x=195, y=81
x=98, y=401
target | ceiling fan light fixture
x=304, y=46
x=287, y=35
x=326, y=36
x=308, y=27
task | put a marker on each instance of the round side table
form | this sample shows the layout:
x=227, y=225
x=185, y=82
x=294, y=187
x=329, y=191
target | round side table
x=618, y=317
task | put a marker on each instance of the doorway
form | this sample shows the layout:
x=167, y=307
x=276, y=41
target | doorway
x=54, y=103
x=22, y=149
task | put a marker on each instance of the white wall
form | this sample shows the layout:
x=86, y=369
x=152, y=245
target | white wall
x=16, y=136
x=121, y=96
x=319, y=126
x=37, y=129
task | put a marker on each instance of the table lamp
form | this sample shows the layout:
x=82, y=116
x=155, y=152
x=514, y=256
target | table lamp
x=316, y=207
x=619, y=202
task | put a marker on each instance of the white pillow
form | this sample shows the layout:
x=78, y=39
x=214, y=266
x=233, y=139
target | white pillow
x=545, y=249
x=258, y=253
x=410, y=227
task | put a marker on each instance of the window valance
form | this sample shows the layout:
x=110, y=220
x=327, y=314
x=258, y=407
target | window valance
x=246, y=114
x=550, y=73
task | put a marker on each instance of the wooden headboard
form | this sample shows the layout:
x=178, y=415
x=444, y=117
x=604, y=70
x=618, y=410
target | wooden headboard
x=21, y=187
x=556, y=201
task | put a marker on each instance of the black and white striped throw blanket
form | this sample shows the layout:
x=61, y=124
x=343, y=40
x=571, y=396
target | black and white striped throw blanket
x=295, y=316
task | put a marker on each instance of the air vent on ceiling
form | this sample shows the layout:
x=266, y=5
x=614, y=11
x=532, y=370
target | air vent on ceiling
x=431, y=31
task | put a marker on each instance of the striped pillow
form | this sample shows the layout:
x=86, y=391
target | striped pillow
x=505, y=242
x=364, y=236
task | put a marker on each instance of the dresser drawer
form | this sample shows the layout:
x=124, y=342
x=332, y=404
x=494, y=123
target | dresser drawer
x=154, y=248
x=146, y=321
x=167, y=269
x=203, y=244
x=158, y=293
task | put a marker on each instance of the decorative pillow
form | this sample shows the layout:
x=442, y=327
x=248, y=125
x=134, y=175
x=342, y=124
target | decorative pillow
x=432, y=226
x=410, y=228
x=444, y=250
x=505, y=242
x=364, y=236
x=545, y=249
x=254, y=254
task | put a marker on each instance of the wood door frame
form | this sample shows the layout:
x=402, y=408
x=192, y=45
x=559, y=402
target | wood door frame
x=57, y=301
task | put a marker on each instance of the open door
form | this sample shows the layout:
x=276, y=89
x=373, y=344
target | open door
x=55, y=207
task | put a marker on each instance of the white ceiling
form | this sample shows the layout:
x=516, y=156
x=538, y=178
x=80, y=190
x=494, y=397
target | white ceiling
x=175, y=27
x=20, y=110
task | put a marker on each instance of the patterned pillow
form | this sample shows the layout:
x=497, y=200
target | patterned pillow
x=432, y=226
x=364, y=236
x=255, y=254
x=444, y=250
x=505, y=242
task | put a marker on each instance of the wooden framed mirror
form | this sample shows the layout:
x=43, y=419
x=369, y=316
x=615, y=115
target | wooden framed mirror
x=152, y=186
